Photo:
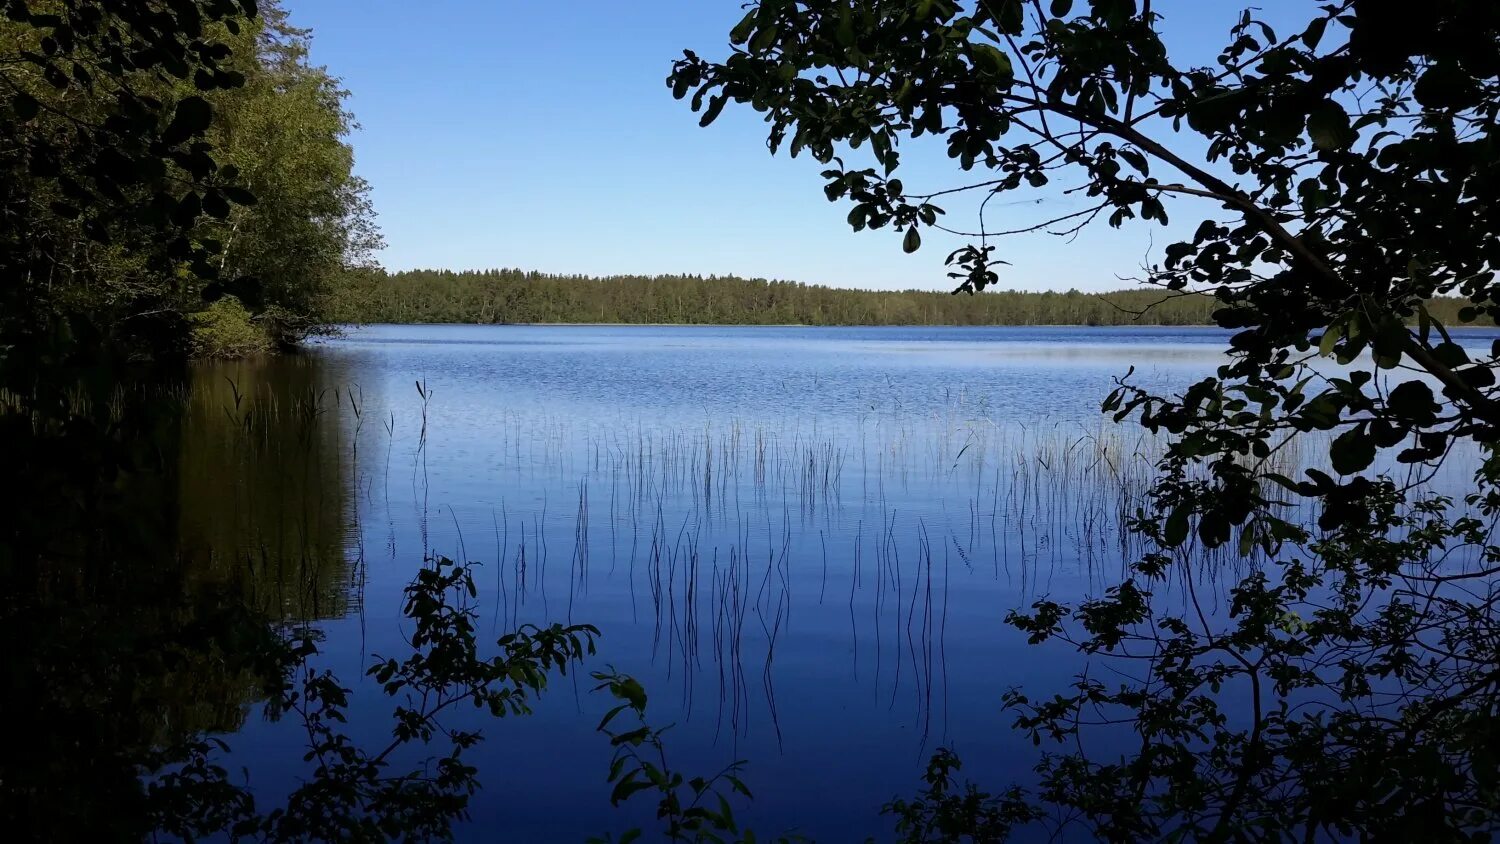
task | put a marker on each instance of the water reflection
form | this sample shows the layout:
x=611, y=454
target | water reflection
x=807, y=557
x=120, y=648
x=265, y=488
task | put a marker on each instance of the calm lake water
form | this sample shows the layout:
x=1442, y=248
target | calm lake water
x=803, y=541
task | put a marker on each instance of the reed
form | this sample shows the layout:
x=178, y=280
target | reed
x=708, y=525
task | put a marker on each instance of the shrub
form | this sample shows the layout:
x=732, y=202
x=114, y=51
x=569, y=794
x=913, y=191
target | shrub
x=225, y=329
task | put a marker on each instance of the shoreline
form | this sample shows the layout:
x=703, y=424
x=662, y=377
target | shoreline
x=777, y=325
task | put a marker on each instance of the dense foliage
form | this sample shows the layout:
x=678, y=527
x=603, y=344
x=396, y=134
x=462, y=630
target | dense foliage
x=101, y=181
x=287, y=256
x=516, y=296
x=136, y=140
x=1340, y=175
x=356, y=793
x=121, y=215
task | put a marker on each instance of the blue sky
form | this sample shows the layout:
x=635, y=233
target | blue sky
x=508, y=133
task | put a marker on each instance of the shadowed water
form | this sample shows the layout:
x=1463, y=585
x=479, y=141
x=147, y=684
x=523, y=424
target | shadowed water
x=803, y=541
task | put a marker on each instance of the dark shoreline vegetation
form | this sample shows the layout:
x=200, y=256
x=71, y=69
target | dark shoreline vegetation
x=176, y=180
x=520, y=296
x=159, y=208
x=513, y=296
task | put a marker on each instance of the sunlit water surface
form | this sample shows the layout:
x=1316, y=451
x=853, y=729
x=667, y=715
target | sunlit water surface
x=804, y=541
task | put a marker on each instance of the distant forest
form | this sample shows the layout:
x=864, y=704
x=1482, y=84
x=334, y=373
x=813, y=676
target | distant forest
x=519, y=296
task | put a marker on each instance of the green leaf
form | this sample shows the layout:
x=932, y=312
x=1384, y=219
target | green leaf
x=627, y=786
x=1330, y=339
x=631, y=690
x=1444, y=85
x=1176, y=529
x=1328, y=126
x=1136, y=160
x=238, y=195
x=990, y=60
x=1451, y=354
x=215, y=205
x=1424, y=322
x=1213, y=529
x=1314, y=32
x=738, y=784
x=192, y=117
x=187, y=209
x=1061, y=8
x=1386, y=433
x=904, y=92
x=912, y=242
x=764, y=38
x=1389, y=343
x=610, y=716
x=715, y=106
x=1352, y=451
x=25, y=105
x=741, y=32
x=1011, y=16
x=1481, y=377
x=1413, y=400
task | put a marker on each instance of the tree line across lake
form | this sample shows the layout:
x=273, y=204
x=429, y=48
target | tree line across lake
x=520, y=296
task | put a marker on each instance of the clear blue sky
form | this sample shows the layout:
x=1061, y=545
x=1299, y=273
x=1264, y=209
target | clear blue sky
x=508, y=133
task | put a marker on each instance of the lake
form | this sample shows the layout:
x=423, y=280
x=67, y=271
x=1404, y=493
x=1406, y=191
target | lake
x=803, y=541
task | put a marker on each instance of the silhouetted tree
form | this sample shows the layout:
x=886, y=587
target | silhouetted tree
x=1344, y=173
